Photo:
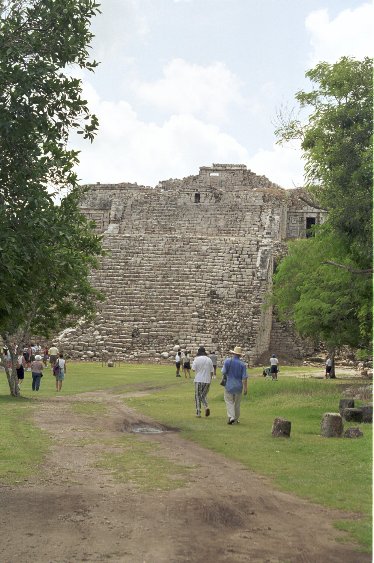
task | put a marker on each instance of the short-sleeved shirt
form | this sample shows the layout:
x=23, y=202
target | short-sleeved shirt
x=61, y=363
x=53, y=351
x=37, y=366
x=329, y=363
x=203, y=368
x=213, y=357
x=236, y=371
x=274, y=361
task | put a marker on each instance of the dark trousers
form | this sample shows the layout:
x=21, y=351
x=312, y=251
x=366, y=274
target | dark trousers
x=36, y=377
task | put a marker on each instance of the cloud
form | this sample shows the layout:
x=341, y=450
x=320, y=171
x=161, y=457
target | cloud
x=205, y=91
x=129, y=149
x=349, y=34
x=282, y=165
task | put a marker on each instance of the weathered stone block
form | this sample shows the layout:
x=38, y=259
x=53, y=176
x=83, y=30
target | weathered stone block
x=353, y=433
x=346, y=404
x=281, y=428
x=332, y=425
x=367, y=413
x=353, y=414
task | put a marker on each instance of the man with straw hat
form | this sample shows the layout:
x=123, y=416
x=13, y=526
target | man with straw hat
x=235, y=383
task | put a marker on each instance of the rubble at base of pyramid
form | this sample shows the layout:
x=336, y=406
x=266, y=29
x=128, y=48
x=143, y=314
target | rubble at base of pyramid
x=190, y=263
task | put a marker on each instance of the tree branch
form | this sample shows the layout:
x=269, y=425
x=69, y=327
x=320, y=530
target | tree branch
x=349, y=268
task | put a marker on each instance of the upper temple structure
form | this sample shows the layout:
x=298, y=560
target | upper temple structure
x=189, y=263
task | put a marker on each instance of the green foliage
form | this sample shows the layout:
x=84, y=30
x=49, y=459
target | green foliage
x=46, y=251
x=334, y=302
x=337, y=142
x=326, y=303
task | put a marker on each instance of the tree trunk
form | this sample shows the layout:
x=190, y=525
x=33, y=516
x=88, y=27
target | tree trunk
x=11, y=371
x=11, y=375
x=332, y=356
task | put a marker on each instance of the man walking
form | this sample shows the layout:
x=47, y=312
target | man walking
x=203, y=368
x=274, y=367
x=236, y=384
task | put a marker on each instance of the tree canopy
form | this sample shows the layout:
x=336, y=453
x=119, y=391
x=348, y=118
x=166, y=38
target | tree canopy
x=323, y=283
x=47, y=251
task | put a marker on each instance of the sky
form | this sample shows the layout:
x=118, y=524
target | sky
x=187, y=83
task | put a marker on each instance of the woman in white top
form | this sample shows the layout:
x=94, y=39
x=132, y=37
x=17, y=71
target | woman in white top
x=59, y=371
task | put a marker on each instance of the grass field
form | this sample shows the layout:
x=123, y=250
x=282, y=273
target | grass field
x=333, y=472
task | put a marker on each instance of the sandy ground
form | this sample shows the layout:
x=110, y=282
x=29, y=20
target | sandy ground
x=73, y=511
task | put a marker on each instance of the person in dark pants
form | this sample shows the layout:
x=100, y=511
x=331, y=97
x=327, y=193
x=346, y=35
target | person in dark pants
x=20, y=369
x=328, y=367
x=36, y=372
x=178, y=358
x=274, y=367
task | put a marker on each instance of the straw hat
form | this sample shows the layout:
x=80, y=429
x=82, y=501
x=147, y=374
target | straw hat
x=237, y=350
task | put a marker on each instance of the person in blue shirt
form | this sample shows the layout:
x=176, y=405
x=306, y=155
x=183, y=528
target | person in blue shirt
x=235, y=372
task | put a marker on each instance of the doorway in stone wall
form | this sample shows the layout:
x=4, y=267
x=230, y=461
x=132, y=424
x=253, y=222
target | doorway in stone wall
x=310, y=222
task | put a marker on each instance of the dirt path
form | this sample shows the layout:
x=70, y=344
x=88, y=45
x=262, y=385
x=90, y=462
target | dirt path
x=74, y=511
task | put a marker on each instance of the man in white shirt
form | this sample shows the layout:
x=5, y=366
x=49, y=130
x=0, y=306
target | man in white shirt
x=328, y=367
x=274, y=367
x=203, y=368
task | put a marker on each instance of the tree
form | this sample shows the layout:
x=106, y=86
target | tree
x=47, y=251
x=327, y=304
x=323, y=283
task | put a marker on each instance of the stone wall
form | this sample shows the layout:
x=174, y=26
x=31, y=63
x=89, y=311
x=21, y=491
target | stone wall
x=189, y=262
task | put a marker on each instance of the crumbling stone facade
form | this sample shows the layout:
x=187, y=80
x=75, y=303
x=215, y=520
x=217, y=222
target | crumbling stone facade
x=189, y=262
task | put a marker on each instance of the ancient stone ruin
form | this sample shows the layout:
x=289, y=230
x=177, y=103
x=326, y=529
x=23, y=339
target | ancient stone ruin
x=190, y=262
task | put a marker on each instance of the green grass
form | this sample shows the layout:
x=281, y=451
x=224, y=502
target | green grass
x=141, y=464
x=332, y=472
x=85, y=377
x=22, y=445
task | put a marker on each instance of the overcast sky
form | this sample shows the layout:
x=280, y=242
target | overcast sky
x=185, y=83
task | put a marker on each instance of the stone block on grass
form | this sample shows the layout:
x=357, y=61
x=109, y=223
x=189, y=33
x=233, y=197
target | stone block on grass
x=353, y=433
x=332, y=425
x=354, y=414
x=281, y=428
x=367, y=413
x=346, y=404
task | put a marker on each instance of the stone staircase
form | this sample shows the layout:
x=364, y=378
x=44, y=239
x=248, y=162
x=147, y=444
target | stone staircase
x=178, y=272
